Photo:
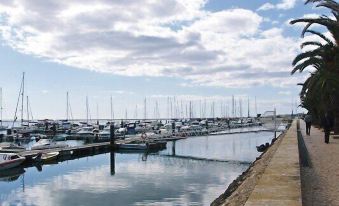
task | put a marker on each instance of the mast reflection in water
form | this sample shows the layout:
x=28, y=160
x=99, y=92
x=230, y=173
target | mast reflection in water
x=183, y=174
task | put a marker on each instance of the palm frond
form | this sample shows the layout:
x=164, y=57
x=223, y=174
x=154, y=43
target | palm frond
x=306, y=55
x=329, y=41
x=314, y=61
x=310, y=43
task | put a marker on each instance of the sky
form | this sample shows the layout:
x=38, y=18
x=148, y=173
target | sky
x=198, y=51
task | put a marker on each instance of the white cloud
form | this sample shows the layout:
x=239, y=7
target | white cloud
x=266, y=6
x=283, y=5
x=153, y=38
x=286, y=4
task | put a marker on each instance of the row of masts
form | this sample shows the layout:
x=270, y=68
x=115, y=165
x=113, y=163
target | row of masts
x=176, y=108
x=200, y=108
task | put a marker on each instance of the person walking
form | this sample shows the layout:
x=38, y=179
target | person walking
x=308, y=121
x=327, y=122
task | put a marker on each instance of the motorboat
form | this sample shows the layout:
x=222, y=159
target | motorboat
x=85, y=131
x=48, y=144
x=10, y=160
x=105, y=133
x=142, y=146
x=46, y=157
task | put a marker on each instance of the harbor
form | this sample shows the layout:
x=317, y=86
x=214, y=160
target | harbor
x=167, y=149
x=154, y=139
x=198, y=169
x=169, y=103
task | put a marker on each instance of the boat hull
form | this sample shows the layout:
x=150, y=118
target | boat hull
x=47, y=157
x=42, y=147
x=132, y=146
x=11, y=163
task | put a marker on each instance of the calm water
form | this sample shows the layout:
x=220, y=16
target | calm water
x=183, y=174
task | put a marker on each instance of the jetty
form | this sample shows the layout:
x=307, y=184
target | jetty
x=273, y=179
x=280, y=184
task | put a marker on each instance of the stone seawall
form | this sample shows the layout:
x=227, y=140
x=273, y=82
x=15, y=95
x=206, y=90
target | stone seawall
x=273, y=179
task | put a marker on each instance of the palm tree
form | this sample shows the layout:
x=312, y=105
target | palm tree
x=320, y=92
x=331, y=24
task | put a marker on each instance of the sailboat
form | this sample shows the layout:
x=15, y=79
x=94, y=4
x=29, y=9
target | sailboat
x=87, y=129
x=24, y=130
x=66, y=125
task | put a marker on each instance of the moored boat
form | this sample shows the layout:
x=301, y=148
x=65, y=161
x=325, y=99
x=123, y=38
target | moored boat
x=48, y=144
x=86, y=131
x=10, y=160
x=142, y=146
x=46, y=157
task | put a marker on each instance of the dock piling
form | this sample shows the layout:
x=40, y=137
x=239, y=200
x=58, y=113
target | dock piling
x=112, y=137
x=112, y=158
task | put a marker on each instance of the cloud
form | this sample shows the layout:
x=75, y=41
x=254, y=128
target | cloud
x=283, y=5
x=152, y=38
x=266, y=6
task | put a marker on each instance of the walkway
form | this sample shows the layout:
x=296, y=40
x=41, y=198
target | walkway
x=320, y=182
x=280, y=183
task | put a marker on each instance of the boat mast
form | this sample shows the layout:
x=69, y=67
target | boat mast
x=87, y=110
x=145, y=109
x=233, y=107
x=255, y=104
x=22, y=98
x=67, y=106
x=248, y=107
x=112, y=112
x=97, y=113
x=27, y=107
x=30, y=109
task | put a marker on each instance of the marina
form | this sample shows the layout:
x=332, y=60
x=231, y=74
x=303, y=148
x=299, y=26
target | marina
x=169, y=103
x=156, y=153
x=108, y=174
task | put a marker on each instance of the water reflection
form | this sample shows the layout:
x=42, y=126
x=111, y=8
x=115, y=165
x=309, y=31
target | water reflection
x=112, y=158
x=11, y=175
x=236, y=147
x=175, y=176
x=137, y=182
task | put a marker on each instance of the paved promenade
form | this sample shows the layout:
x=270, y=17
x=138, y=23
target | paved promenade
x=280, y=183
x=320, y=182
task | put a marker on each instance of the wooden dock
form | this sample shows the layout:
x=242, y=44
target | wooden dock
x=82, y=150
x=102, y=147
x=70, y=151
